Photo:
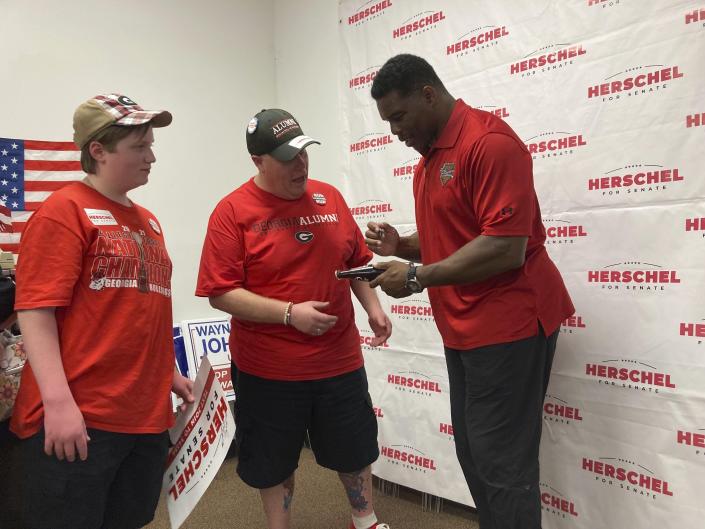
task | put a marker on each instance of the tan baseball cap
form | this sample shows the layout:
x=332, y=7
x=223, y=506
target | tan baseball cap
x=101, y=111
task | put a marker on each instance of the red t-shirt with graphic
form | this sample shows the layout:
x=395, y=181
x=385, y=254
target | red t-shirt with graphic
x=105, y=268
x=477, y=179
x=287, y=250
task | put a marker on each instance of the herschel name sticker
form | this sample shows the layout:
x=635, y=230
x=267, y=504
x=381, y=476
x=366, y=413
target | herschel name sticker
x=100, y=217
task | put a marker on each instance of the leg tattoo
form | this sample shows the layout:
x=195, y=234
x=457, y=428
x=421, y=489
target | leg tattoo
x=288, y=492
x=354, y=484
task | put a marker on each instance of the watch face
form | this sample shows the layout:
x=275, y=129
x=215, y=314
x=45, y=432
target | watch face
x=414, y=286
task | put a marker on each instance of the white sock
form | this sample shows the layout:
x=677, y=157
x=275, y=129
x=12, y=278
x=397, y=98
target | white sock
x=365, y=522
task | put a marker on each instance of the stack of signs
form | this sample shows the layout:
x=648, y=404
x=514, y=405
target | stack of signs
x=209, y=337
x=201, y=438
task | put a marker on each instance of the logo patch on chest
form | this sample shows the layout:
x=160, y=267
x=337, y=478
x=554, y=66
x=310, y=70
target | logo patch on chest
x=447, y=172
x=506, y=212
x=319, y=199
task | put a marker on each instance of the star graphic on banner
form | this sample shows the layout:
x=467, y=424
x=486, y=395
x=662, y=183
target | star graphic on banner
x=4, y=182
x=14, y=145
x=14, y=160
x=4, y=198
x=15, y=204
x=14, y=190
x=14, y=176
x=4, y=152
x=3, y=167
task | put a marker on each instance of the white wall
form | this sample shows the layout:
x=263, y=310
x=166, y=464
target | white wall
x=211, y=63
x=306, y=46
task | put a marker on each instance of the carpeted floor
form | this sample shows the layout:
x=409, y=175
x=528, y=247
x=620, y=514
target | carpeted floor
x=319, y=503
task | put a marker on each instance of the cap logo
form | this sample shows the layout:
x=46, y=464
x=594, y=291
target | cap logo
x=124, y=100
x=284, y=126
x=252, y=126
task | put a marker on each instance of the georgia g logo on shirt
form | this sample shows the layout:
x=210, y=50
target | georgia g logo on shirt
x=304, y=236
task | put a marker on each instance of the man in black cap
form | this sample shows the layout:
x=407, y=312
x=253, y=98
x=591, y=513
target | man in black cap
x=268, y=259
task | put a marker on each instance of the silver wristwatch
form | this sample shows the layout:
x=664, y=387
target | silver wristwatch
x=412, y=284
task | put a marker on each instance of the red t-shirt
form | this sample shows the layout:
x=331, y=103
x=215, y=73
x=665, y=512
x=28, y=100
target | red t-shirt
x=287, y=250
x=476, y=180
x=80, y=254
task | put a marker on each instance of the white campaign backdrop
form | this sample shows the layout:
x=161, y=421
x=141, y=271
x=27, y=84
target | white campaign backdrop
x=624, y=421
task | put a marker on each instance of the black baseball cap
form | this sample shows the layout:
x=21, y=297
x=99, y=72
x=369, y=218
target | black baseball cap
x=275, y=132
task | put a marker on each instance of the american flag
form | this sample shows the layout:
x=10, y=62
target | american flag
x=30, y=171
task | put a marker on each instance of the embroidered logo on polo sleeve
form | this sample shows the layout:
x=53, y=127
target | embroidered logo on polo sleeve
x=447, y=172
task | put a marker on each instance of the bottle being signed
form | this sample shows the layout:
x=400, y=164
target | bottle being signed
x=361, y=273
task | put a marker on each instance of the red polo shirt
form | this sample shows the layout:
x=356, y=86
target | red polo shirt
x=476, y=180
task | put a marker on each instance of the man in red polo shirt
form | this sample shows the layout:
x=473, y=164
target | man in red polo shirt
x=497, y=297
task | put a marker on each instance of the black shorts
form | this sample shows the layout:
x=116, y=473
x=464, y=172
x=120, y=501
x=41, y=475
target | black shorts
x=272, y=416
x=117, y=487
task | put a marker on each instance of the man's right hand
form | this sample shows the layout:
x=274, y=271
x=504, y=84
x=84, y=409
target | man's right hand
x=307, y=317
x=382, y=238
x=65, y=431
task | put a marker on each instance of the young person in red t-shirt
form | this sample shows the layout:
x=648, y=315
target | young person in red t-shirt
x=497, y=297
x=269, y=259
x=94, y=304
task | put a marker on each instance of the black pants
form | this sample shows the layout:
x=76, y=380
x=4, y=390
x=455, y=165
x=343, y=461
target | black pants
x=117, y=487
x=496, y=399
